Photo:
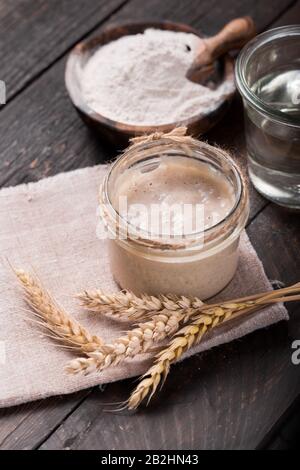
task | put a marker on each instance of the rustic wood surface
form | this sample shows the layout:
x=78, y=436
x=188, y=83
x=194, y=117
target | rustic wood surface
x=235, y=396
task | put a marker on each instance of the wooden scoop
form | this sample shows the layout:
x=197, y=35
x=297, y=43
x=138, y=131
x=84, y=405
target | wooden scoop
x=205, y=69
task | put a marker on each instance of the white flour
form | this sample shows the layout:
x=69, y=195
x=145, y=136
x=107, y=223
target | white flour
x=140, y=79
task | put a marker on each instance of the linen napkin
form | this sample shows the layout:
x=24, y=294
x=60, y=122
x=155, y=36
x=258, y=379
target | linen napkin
x=49, y=227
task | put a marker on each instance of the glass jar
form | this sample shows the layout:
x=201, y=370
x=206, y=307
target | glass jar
x=268, y=79
x=194, y=264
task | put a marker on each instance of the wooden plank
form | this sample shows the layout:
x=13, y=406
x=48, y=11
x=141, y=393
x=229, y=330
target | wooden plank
x=286, y=433
x=208, y=16
x=26, y=426
x=290, y=16
x=46, y=138
x=280, y=231
x=34, y=33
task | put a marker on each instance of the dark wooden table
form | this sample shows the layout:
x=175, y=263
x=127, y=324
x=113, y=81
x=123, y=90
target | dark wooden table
x=241, y=395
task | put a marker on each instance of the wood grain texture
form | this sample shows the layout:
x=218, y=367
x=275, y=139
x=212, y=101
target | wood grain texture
x=27, y=426
x=210, y=16
x=211, y=401
x=286, y=433
x=34, y=33
x=290, y=16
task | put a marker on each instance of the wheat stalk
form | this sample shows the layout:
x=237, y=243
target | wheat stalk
x=192, y=334
x=163, y=324
x=128, y=306
x=55, y=318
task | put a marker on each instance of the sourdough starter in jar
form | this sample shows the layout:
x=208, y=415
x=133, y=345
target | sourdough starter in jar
x=186, y=196
x=179, y=267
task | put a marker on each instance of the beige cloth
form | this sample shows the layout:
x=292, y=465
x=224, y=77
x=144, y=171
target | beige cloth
x=50, y=227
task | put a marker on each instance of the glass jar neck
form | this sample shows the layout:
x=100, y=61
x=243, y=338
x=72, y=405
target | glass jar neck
x=154, y=150
x=267, y=54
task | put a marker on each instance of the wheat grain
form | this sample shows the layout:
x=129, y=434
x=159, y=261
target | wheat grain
x=54, y=317
x=136, y=341
x=141, y=339
x=128, y=306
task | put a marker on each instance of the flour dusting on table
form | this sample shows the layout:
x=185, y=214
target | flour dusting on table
x=140, y=79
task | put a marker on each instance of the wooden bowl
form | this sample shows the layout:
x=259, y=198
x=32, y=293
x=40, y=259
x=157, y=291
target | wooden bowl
x=117, y=132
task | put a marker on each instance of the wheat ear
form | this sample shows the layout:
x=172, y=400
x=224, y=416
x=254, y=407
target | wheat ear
x=136, y=341
x=128, y=306
x=54, y=317
x=192, y=334
x=141, y=339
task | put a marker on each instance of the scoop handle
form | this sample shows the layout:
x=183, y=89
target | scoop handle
x=234, y=35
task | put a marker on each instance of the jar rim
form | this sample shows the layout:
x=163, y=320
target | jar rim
x=243, y=58
x=199, y=148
